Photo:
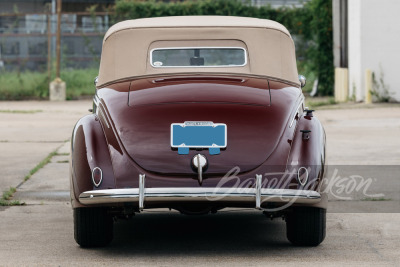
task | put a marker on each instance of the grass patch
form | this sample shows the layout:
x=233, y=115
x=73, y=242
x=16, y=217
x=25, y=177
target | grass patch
x=41, y=164
x=62, y=154
x=79, y=82
x=11, y=203
x=62, y=161
x=7, y=195
x=20, y=111
x=311, y=103
x=23, y=85
x=376, y=199
x=34, y=85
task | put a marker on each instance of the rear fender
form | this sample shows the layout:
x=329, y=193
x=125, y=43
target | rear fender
x=308, y=151
x=89, y=150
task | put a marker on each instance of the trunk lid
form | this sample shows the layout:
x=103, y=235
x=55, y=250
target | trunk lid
x=254, y=127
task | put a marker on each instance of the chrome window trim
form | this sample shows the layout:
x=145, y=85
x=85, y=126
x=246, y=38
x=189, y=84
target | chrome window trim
x=200, y=47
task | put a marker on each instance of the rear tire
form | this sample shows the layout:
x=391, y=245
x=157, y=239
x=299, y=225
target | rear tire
x=93, y=227
x=306, y=226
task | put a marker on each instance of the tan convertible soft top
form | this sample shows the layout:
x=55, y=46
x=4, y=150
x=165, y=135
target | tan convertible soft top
x=127, y=46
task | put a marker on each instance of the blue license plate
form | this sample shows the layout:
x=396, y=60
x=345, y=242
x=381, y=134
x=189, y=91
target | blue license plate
x=198, y=134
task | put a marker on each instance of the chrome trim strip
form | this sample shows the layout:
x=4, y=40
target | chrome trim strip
x=103, y=117
x=141, y=190
x=297, y=113
x=96, y=99
x=294, y=117
x=96, y=103
x=258, y=190
x=212, y=194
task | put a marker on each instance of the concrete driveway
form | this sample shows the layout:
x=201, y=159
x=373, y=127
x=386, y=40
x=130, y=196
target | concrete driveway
x=41, y=232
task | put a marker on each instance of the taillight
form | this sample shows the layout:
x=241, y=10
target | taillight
x=97, y=176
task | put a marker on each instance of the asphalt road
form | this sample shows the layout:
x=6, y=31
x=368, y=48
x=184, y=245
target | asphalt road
x=41, y=232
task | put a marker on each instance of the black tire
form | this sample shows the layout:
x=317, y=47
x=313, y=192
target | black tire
x=306, y=226
x=93, y=227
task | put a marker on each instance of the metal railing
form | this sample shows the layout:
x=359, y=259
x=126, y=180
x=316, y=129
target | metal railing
x=27, y=40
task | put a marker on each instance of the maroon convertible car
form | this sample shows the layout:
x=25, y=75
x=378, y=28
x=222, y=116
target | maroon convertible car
x=198, y=114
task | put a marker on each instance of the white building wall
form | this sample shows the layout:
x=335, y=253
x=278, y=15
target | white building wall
x=354, y=37
x=374, y=43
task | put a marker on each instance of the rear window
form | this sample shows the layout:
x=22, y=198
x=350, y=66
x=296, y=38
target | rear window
x=198, y=57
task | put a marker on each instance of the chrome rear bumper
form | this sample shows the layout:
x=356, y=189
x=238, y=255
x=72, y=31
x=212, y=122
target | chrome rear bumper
x=168, y=194
x=143, y=195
